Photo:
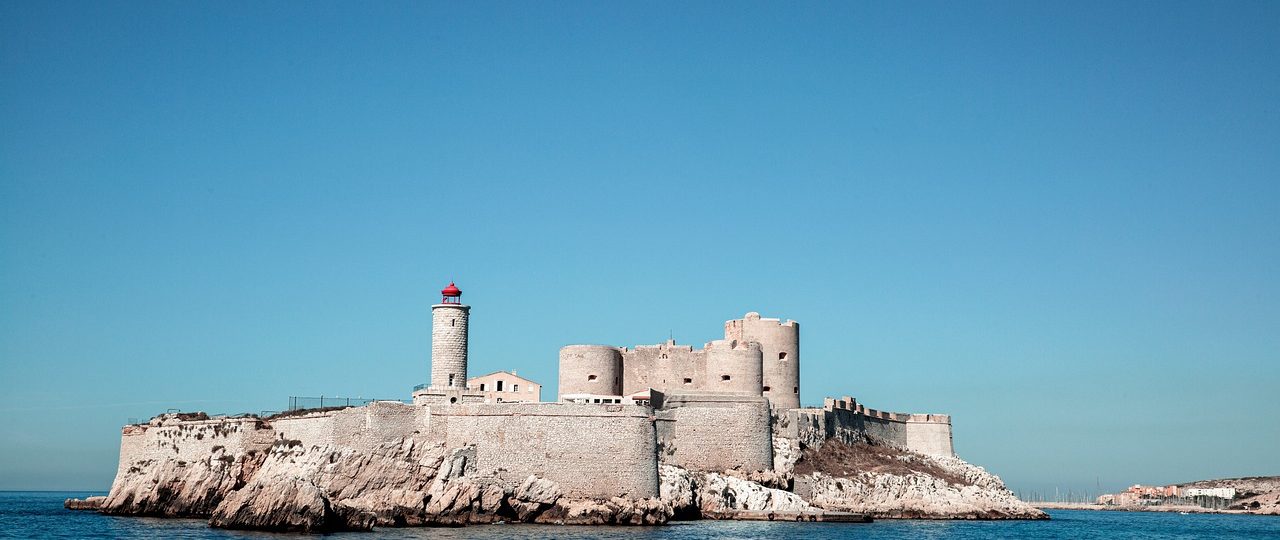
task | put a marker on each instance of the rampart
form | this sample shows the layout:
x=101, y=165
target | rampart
x=665, y=367
x=847, y=420
x=590, y=450
x=714, y=432
x=780, y=348
x=168, y=438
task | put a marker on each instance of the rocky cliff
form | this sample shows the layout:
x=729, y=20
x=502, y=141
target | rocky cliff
x=291, y=487
x=888, y=482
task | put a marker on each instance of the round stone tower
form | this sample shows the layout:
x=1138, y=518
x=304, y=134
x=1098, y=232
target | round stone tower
x=734, y=366
x=590, y=369
x=449, y=340
x=780, y=346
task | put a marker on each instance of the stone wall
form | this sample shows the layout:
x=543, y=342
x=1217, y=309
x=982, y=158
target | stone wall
x=733, y=366
x=590, y=450
x=590, y=369
x=780, y=347
x=182, y=441
x=666, y=367
x=712, y=432
x=315, y=429
x=846, y=420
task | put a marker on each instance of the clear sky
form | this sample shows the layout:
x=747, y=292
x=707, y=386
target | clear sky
x=1057, y=221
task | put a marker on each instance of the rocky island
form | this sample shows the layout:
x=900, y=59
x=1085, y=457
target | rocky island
x=638, y=436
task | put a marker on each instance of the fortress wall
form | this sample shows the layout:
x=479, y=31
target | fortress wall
x=930, y=437
x=664, y=367
x=590, y=369
x=379, y=422
x=780, y=347
x=190, y=440
x=850, y=421
x=314, y=429
x=590, y=450
x=739, y=361
x=715, y=432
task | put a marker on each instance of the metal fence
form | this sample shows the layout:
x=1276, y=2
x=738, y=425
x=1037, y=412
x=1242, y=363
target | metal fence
x=297, y=403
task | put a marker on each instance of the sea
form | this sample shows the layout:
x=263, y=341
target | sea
x=25, y=514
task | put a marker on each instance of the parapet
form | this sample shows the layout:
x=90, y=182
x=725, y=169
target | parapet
x=848, y=420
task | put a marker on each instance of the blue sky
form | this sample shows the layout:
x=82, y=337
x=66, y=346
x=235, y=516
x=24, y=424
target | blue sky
x=1059, y=222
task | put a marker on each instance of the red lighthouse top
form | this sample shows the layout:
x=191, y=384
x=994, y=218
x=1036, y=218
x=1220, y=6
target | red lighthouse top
x=451, y=294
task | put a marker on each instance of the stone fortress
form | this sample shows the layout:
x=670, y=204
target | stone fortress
x=714, y=408
x=622, y=415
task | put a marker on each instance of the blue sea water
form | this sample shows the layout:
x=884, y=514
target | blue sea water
x=40, y=515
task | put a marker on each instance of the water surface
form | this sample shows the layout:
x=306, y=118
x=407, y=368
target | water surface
x=40, y=515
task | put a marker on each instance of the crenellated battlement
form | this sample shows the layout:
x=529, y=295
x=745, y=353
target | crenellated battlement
x=847, y=403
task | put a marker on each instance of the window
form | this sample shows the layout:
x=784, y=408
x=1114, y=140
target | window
x=453, y=322
x=688, y=380
x=515, y=388
x=766, y=389
x=450, y=379
x=591, y=377
x=499, y=386
x=453, y=400
x=796, y=390
x=724, y=377
x=481, y=387
x=782, y=356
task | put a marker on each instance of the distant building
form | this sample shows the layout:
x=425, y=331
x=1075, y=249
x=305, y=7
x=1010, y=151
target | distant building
x=506, y=387
x=1221, y=493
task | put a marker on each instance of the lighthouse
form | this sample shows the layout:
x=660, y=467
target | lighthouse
x=449, y=325
x=449, y=340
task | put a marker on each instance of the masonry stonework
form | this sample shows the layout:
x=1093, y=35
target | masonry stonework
x=780, y=347
x=590, y=369
x=449, y=345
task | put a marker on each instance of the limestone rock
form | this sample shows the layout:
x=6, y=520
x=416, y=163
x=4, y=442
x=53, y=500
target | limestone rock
x=717, y=493
x=287, y=505
x=173, y=488
x=87, y=503
x=615, y=511
x=677, y=489
x=973, y=493
x=533, y=496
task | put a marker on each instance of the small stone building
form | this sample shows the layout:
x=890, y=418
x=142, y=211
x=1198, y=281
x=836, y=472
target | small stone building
x=506, y=387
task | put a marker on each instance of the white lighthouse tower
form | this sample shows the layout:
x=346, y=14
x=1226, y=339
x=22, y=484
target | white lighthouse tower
x=449, y=340
x=449, y=324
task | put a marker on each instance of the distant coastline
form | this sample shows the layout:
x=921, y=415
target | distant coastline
x=1188, y=509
